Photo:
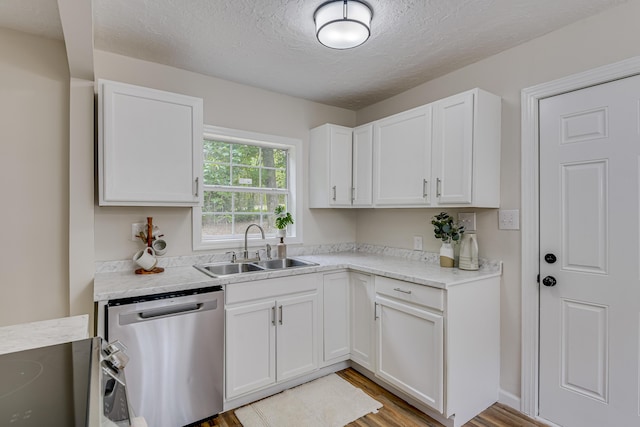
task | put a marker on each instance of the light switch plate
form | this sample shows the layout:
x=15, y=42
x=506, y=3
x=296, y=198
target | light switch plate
x=468, y=220
x=417, y=243
x=509, y=219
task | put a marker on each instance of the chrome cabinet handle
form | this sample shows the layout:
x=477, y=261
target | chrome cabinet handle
x=375, y=311
x=353, y=194
x=281, y=315
x=425, y=185
x=402, y=290
x=334, y=193
x=197, y=186
x=273, y=315
x=438, y=182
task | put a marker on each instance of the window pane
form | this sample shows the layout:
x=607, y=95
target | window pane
x=216, y=174
x=249, y=202
x=269, y=178
x=216, y=225
x=216, y=151
x=217, y=202
x=248, y=155
x=246, y=176
x=280, y=158
x=243, y=221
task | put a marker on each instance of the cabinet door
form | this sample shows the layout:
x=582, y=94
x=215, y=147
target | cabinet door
x=340, y=166
x=362, y=166
x=150, y=146
x=250, y=350
x=362, y=321
x=402, y=158
x=335, y=310
x=410, y=350
x=298, y=336
x=453, y=148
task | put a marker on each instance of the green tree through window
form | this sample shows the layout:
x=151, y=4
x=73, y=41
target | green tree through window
x=243, y=183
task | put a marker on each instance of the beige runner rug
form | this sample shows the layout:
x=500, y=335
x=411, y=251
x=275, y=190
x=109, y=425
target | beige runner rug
x=326, y=402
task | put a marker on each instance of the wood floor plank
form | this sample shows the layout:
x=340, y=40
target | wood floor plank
x=395, y=412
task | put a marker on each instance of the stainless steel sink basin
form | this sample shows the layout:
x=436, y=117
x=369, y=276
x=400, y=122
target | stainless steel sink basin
x=277, y=264
x=227, y=269
x=222, y=269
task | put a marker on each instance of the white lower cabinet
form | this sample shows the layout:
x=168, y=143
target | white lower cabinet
x=411, y=350
x=362, y=321
x=272, y=332
x=440, y=346
x=336, y=309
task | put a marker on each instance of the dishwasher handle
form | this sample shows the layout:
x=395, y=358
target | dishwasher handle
x=168, y=311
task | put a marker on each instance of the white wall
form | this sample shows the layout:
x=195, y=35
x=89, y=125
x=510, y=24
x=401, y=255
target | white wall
x=602, y=39
x=229, y=105
x=34, y=176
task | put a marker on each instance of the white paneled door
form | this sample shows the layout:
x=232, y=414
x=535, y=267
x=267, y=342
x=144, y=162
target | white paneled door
x=589, y=256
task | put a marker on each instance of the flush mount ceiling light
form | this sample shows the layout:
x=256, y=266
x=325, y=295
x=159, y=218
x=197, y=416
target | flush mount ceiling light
x=343, y=24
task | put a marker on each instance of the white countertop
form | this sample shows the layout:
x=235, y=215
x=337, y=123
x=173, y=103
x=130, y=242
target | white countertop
x=123, y=284
x=26, y=336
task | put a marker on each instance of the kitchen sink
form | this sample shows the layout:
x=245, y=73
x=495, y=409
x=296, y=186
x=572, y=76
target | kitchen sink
x=229, y=268
x=223, y=269
x=277, y=264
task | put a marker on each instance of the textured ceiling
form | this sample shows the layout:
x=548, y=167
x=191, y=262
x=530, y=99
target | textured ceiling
x=271, y=43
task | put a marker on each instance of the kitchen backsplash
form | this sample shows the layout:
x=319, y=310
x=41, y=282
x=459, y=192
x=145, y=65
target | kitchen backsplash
x=293, y=251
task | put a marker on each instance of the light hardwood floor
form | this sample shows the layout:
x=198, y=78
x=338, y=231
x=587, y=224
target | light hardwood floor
x=397, y=413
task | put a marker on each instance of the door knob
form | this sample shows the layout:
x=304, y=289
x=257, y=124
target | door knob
x=550, y=258
x=549, y=281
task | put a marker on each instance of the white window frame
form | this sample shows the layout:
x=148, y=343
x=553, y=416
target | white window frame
x=294, y=180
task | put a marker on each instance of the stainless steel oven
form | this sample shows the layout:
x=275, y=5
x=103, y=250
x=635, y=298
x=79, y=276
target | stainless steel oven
x=79, y=384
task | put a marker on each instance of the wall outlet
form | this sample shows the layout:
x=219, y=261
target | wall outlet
x=468, y=220
x=136, y=229
x=509, y=219
x=417, y=243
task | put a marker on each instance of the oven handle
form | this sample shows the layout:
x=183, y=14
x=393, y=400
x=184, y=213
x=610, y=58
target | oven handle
x=163, y=312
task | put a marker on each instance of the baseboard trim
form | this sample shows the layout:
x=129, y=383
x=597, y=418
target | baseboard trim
x=509, y=399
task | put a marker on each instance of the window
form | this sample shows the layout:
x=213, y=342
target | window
x=245, y=176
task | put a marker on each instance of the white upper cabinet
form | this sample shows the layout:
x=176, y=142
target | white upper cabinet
x=149, y=146
x=466, y=150
x=443, y=154
x=340, y=166
x=402, y=159
x=362, y=174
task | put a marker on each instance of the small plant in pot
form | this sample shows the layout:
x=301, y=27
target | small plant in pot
x=283, y=219
x=447, y=230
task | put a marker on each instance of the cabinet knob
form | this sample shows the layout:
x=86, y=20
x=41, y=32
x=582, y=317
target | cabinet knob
x=549, y=281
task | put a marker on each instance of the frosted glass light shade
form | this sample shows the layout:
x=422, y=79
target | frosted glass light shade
x=343, y=24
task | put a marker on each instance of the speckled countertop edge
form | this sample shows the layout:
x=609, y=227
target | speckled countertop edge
x=412, y=266
x=26, y=336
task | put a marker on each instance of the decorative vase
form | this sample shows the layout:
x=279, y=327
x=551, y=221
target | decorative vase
x=446, y=255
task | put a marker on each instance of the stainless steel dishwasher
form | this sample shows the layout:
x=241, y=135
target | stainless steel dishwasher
x=175, y=342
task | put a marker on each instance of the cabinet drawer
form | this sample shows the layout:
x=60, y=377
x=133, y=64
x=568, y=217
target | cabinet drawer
x=271, y=288
x=411, y=292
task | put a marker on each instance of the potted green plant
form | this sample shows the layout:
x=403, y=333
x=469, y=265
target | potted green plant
x=283, y=218
x=447, y=230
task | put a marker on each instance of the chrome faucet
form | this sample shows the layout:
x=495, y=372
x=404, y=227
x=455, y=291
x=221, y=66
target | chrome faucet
x=246, y=251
